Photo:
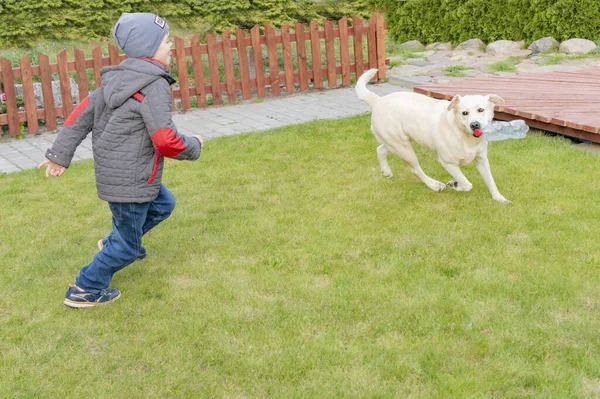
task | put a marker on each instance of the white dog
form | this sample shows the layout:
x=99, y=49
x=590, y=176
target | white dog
x=451, y=129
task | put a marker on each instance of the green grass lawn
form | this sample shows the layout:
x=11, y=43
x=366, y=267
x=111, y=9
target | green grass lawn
x=292, y=268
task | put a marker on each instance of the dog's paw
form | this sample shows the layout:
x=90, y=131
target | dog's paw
x=387, y=173
x=458, y=187
x=501, y=199
x=437, y=186
x=453, y=184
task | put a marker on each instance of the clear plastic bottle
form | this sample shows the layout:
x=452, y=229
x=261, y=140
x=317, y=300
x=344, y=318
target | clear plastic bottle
x=500, y=130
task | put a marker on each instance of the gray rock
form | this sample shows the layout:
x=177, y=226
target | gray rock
x=522, y=54
x=544, y=45
x=396, y=58
x=407, y=70
x=418, y=62
x=504, y=47
x=463, y=58
x=427, y=54
x=577, y=46
x=473, y=44
x=410, y=82
x=439, y=46
x=413, y=45
x=39, y=98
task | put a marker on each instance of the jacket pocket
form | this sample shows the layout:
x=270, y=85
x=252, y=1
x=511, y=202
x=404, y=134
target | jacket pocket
x=155, y=168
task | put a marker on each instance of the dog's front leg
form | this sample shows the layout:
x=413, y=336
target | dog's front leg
x=382, y=152
x=483, y=166
x=460, y=182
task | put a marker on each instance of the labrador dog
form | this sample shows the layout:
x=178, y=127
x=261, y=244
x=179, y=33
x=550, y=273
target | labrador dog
x=451, y=129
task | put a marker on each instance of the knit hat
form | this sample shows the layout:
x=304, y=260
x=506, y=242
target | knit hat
x=139, y=34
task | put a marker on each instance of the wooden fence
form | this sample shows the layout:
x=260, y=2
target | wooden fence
x=201, y=68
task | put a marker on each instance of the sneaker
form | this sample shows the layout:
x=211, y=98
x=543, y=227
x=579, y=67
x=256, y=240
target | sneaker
x=102, y=243
x=79, y=298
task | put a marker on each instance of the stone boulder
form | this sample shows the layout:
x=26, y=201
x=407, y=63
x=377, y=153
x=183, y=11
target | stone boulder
x=504, y=47
x=544, y=45
x=472, y=45
x=439, y=46
x=412, y=45
x=39, y=98
x=577, y=46
x=521, y=54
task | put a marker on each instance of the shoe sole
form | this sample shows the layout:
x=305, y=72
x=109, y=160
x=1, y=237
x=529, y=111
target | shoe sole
x=73, y=304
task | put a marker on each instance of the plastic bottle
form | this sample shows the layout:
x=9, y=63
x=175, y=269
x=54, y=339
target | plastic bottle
x=500, y=130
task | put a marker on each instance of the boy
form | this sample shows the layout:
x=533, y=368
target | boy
x=132, y=130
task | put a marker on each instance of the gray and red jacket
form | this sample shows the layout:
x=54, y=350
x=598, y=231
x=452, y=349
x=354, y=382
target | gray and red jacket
x=132, y=131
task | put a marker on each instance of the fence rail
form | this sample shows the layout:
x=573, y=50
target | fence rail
x=222, y=68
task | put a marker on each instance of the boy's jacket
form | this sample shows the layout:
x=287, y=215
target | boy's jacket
x=132, y=131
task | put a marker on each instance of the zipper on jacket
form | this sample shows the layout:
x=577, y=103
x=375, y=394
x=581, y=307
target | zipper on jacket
x=155, y=169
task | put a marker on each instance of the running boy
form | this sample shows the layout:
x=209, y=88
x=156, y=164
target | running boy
x=132, y=130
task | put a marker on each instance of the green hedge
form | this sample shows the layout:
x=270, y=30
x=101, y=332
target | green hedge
x=26, y=21
x=458, y=20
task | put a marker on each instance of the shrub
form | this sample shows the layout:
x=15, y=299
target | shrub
x=25, y=22
x=489, y=20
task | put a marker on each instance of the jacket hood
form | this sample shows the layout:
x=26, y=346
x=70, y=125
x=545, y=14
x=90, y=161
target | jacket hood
x=122, y=81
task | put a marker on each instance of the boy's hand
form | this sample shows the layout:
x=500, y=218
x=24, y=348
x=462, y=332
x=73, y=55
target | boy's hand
x=200, y=139
x=53, y=169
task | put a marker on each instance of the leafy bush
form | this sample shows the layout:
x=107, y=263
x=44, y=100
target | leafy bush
x=489, y=20
x=25, y=22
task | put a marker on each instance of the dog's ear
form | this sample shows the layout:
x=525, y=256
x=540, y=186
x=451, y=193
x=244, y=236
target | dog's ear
x=454, y=102
x=495, y=99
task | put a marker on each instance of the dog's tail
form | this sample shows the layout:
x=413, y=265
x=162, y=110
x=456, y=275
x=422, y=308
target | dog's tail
x=361, y=87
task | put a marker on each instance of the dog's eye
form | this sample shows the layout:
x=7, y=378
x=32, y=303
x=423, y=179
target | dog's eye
x=481, y=110
x=465, y=113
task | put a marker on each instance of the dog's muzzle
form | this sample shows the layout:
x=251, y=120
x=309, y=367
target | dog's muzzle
x=476, y=128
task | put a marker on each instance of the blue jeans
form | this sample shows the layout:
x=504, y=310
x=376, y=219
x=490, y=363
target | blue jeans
x=130, y=221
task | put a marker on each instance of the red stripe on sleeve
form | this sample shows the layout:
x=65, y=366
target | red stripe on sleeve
x=167, y=142
x=76, y=112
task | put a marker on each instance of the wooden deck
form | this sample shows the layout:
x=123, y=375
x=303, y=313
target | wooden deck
x=567, y=103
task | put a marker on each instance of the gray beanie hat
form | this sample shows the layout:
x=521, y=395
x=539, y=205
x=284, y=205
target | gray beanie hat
x=139, y=34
